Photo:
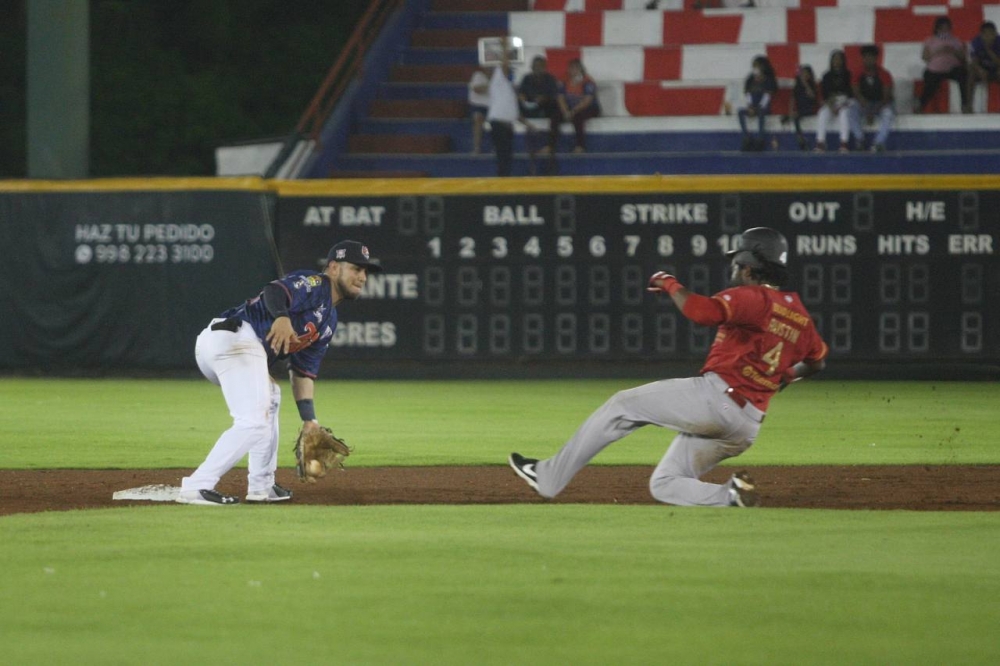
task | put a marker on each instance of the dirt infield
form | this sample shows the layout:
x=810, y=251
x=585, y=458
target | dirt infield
x=922, y=488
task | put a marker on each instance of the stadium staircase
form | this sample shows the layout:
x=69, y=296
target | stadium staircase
x=669, y=80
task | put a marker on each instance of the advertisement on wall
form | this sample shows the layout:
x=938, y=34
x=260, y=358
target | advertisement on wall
x=125, y=280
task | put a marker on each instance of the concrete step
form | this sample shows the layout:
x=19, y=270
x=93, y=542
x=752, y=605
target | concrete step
x=398, y=144
x=480, y=6
x=452, y=91
x=417, y=108
x=451, y=39
x=432, y=73
x=730, y=162
x=422, y=56
x=465, y=21
x=342, y=173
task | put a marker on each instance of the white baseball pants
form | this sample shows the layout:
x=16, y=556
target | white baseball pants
x=238, y=363
x=711, y=427
x=824, y=117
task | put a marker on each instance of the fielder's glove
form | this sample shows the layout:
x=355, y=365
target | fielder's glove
x=317, y=451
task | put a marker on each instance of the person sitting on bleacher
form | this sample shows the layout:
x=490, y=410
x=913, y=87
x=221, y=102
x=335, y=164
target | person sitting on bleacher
x=945, y=57
x=578, y=101
x=804, y=101
x=874, y=94
x=538, y=94
x=758, y=89
x=984, y=60
x=837, y=100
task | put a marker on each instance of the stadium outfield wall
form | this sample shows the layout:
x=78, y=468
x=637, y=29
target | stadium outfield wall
x=495, y=278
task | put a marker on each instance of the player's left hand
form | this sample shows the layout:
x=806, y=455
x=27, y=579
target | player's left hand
x=787, y=377
x=281, y=336
x=660, y=281
x=317, y=451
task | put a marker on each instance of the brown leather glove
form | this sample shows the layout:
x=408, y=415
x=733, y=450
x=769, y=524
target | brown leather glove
x=317, y=451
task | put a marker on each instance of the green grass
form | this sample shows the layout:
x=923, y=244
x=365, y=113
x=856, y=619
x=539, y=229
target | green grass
x=513, y=584
x=173, y=423
x=558, y=584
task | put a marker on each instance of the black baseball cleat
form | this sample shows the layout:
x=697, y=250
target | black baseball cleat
x=743, y=491
x=273, y=494
x=524, y=468
x=206, y=498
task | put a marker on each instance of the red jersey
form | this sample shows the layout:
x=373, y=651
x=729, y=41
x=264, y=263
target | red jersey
x=765, y=332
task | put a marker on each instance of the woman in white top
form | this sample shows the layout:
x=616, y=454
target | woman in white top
x=479, y=102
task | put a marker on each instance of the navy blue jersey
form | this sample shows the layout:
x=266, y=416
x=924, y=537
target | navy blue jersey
x=313, y=317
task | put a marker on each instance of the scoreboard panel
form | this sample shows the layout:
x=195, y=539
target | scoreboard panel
x=887, y=274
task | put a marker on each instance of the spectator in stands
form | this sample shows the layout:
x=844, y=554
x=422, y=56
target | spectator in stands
x=479, y=102
x=945, y=57
x=804, y=101
x=539, y=96
x=874, y=94
x=984, y=60
x=578, y=101
x=758, y=89
x=838, y=94
x=502, y=113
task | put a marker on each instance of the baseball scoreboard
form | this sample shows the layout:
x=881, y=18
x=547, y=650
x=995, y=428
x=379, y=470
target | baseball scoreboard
x=887, y=274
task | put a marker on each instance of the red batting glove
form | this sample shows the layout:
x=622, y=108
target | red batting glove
x=661, y=281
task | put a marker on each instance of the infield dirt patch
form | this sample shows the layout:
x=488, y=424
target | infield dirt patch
x=915, y=487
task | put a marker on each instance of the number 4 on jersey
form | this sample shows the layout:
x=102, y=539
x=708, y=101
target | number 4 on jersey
x=773, y=357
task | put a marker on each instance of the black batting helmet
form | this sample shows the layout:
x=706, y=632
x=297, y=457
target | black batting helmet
x=759, y=247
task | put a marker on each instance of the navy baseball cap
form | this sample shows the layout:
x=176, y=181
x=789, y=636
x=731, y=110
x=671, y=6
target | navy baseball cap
x=355, y=253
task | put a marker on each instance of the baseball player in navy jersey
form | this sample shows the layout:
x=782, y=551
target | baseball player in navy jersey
x=765, y=341
x=292, y=318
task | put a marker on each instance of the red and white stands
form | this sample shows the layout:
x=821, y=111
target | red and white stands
x=673, y=61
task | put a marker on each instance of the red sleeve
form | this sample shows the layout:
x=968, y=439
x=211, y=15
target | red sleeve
x=704, y=310
x=887, y=78
x=818, y=350
x=744, y=305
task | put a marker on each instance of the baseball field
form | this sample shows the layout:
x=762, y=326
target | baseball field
x=876, y=543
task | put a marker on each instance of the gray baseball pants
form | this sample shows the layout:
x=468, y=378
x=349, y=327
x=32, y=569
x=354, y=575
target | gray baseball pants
x=711, y=427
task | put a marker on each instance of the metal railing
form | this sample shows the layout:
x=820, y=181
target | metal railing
x=344, y=70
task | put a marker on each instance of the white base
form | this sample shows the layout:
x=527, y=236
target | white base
x=158, y=492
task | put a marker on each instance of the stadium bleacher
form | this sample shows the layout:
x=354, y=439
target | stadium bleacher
x=669, y=80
